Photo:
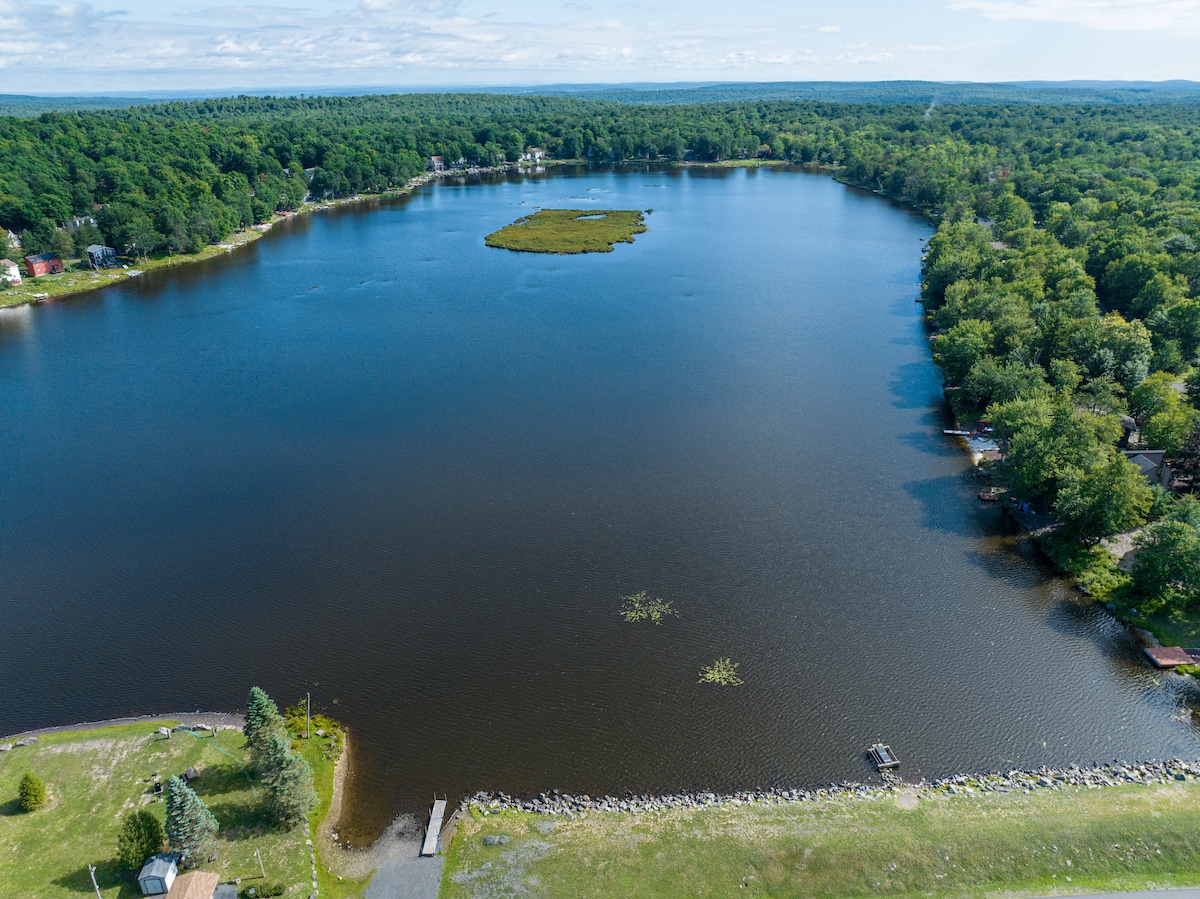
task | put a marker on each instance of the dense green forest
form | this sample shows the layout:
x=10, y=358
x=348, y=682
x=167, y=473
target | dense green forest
x=1062, y=283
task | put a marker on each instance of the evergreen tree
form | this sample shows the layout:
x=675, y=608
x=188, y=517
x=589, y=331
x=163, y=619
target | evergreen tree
x=288, y=779
x=32, y=792
x=191, y=827
x=263, y=721
x=141, y=837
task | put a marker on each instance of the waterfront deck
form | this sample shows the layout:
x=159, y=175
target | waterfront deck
x=433, y=831
x=1169, y=656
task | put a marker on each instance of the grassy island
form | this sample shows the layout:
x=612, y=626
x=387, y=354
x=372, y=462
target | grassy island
x=569, y=231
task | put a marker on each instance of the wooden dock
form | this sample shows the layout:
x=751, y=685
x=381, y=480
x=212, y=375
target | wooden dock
x=434, y=830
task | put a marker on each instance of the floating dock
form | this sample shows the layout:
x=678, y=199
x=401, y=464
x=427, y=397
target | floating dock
x=883, y=757
x=434, y=830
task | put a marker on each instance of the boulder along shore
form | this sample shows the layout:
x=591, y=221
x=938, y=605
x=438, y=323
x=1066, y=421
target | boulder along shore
x=1116, y=773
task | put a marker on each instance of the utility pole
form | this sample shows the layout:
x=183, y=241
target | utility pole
x=92, y=871
x=308, y=715
x=261, y=869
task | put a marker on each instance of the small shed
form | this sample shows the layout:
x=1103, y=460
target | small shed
x=101, y=257
x=43, y=264
x=157, y=875
x=1168, y=656
x=10, y=271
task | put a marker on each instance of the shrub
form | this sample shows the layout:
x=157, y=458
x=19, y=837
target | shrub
x=268, y=889
x=32, y=792
x=141, y=837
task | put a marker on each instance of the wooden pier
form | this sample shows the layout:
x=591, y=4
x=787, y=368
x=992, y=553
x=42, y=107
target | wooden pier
x=434, y=830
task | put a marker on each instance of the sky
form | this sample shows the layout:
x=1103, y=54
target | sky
x=186, y=45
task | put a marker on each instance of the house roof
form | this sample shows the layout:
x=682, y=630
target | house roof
x=194, y=885
x=8, y=263
x=41, y=257
x=157, y=866
x=96, y=248
x=1146, y=460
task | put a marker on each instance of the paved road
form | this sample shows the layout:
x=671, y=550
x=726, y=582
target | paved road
x=1188, y=893
x=410, y=877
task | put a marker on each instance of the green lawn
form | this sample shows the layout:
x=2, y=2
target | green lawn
x=569, y=231
x=1061, y=841
x=95, y=777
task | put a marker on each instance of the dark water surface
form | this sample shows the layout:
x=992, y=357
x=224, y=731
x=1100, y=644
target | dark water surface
x=372, y=457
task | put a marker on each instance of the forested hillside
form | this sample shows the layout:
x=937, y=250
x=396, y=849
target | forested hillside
x=1062, y=282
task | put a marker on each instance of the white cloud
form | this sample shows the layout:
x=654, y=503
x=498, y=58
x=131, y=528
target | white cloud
x=830, y=29
x=1106, y=15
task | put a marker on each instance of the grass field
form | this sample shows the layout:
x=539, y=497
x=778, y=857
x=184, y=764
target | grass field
x=568, y=231
x=1046, y=842
x=95, y=777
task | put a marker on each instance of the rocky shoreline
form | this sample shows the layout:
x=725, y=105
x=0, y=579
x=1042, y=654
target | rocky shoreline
x=557, y=802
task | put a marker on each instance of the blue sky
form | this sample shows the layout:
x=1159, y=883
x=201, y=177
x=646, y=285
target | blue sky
x=140, y=45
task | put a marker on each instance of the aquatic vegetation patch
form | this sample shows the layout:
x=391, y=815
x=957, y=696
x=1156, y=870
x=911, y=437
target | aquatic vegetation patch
x=569, y=231
x=722, y=672
x=641, y=606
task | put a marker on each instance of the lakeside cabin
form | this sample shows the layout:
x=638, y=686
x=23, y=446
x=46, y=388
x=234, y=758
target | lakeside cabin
x=101, y=257
x=43, y=264
x=10, y=272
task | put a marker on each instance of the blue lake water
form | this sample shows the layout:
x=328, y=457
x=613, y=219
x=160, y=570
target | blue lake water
x=372, y=458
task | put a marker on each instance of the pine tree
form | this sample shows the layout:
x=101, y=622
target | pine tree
x=141, y=837
x=263, y=721
x=288, y=782
x=191, y=827
x=32, y=792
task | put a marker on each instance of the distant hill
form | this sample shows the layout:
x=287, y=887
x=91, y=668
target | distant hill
x=886, y=92
x=26, y=106
x=1069, y=93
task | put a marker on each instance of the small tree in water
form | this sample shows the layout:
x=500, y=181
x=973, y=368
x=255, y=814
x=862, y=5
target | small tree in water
x=722, y=672
x=642, y=606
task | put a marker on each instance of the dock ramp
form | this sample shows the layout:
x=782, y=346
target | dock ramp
x=434, y=830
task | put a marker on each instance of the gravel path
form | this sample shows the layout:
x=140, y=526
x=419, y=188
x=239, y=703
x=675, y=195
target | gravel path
x=218, y=719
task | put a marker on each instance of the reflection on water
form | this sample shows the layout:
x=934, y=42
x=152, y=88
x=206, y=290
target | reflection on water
x=369, y=457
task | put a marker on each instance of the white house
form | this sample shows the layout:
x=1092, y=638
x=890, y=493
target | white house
x=10, y=271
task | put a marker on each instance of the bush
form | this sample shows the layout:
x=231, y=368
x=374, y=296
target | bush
x=32, y=792
x=267, y=889
x=141, y=837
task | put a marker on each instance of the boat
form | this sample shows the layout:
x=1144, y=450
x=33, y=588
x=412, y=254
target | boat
x=989, y=496
x=883, y=757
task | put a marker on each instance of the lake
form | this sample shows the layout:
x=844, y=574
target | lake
x=371, y=458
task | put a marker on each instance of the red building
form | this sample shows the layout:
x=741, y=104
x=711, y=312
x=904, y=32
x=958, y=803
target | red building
x=44, y=264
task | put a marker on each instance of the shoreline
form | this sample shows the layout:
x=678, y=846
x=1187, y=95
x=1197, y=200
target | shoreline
x=233, y=720
x=24, y=296
x=1026, y=780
